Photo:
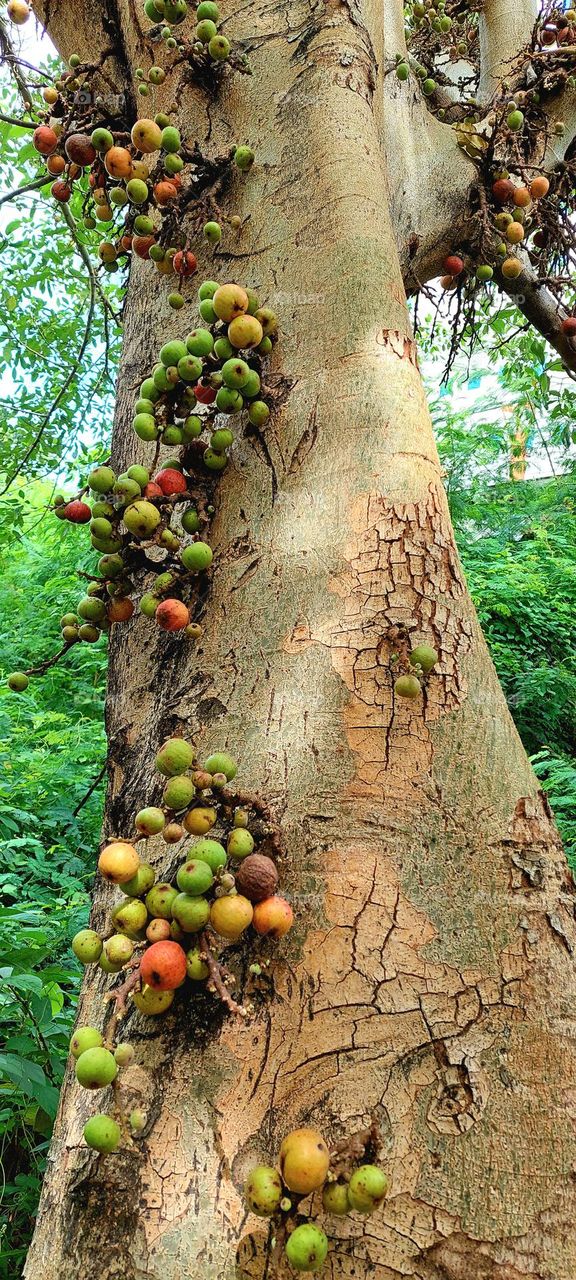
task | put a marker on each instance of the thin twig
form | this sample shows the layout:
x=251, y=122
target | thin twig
x=20, y=124
x=82, y=250
x=34, y=185
x=216, y=980
x=91, y=789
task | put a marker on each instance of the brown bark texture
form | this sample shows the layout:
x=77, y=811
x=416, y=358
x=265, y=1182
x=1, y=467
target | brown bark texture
x=430, y=977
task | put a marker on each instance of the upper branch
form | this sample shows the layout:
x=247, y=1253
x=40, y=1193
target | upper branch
x=504, y=29
x=540, y=307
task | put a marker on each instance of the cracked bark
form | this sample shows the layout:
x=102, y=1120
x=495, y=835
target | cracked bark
x=427, y=980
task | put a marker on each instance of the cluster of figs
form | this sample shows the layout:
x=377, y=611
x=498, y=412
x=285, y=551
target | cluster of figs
x=303, y=1169
x=414, y=670
x=139, y=187
x=165, y=933
x=149, y=527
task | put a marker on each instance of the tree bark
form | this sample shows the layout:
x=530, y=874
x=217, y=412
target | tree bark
x=430, y=977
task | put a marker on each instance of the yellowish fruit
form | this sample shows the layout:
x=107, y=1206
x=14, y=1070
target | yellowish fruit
x=118, y=862
x=230, y=916
x=153, y=1002
x=304, y=1160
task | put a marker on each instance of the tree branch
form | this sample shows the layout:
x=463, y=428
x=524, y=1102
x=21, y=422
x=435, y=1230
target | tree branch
x=10, y=57
x=20, y=124
x=504, y=30
x=34, y=185
x=541, y=308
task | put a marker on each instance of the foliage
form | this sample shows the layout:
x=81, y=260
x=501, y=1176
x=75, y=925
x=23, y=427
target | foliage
x=517, y=539
x=53, y=745
x=52, y=405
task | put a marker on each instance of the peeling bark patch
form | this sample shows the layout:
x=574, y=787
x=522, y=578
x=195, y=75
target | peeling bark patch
x=399, y=344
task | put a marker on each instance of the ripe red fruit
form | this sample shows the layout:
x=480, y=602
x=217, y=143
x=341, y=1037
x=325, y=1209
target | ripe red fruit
x=453, y=264
x=163, y=966
x=61, y=191
x=44, y=140
x=204, y=395
x=185, y=264
x=142, y=245
x=172, y=615
x=503, y=190
x=569, y=326
x=152, y=490
x=120, y=610
x=78, y=148
x=171, y=481
x=77, y=512
x=164, y=192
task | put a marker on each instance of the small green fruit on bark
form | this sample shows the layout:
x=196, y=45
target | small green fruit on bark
x=235, y=373
x=424, y=656
x=170, y=142
x=124, y=1054
x=87, y=946
x=178, y=793
x=101, y=479
x=219, y=48
x=197, y=556
x=213, y=232
x=407, y=687
x=129, y=917
x=263, y=1190
x=96, y=1068
x=149, y=821
x=153, y=1002
x=210, y=851
x=244, y=158
x=102, y=1133
x=205, y=31
x=200, y=342
x=240, y=843
x=367, y=1188
x=140, y=883
x=174, y=757
x=335, y=1198
x=190, y=521
x=307, y=1247
x=119, y=949
x=195, y=878
x=141, y=518
x=159, y=900
x=207, y=9
x=85, y=1038
x=191, y=912
x=258, y=413
x=196, y=967
x=221, y=762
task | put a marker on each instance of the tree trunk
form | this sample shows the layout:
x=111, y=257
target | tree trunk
x=429, y=978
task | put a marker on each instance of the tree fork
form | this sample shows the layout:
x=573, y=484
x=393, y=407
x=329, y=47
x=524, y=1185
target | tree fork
x=429, y=983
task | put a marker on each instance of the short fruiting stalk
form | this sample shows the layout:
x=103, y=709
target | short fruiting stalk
x=216, y=981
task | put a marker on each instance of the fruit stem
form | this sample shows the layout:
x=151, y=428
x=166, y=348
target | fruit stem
x=216, y=980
